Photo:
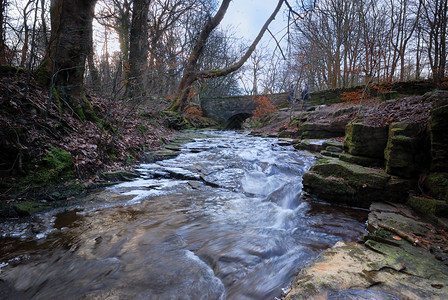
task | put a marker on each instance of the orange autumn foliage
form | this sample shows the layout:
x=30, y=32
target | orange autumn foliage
x=351, y=96
x=193, y=113
x=264, y=108
x=384, y=87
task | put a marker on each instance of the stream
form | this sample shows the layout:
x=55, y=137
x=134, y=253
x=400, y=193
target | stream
x=225, y=219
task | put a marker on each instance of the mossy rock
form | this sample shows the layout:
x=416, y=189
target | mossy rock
x=310, y=130
x=391, y=95
x=338, y=181
x=439, y=139
x=436, y=185
x=8, y=70
x=363, y=140
x=28, y=208
x=354, y=174
x=330, y=153
x=429, y=206
x=42, y=74
x=309, y=145
x=362, y=160
x=335, y=144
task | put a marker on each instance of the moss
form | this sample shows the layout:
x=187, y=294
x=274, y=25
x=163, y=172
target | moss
x=42, y=74
x=56, y=166
x=27, y=208
x=10, y=71
x=89, y=110
x=429, y=206
x=436, y=185
x=130, y=160
x=392, y=95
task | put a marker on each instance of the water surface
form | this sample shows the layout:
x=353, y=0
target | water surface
x=226, y=219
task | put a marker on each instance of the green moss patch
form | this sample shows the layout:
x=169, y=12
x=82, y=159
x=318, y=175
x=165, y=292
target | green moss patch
x=55, y=167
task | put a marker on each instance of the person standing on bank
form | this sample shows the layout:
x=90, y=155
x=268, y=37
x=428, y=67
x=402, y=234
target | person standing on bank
x=306, y=92
x=291, y=94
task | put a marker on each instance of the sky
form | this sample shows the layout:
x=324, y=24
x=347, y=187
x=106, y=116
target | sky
x=247, y=17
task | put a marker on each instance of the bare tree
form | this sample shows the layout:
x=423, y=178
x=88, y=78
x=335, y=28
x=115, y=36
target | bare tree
x=191, y=74
x=117, y=14
x=403, y=22
x=3, y=4
x=435, y=17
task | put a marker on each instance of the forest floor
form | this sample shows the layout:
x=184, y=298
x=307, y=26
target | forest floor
x=37, y=133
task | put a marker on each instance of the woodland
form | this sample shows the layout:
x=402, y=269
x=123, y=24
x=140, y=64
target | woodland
x=72, y=105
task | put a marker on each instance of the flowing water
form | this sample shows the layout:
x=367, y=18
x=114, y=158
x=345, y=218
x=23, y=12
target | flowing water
x=226, y=219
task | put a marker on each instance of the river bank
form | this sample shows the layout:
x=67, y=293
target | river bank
x=383, y=151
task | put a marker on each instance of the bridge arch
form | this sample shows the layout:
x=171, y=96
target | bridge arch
x=231, y=111
x=236, y=121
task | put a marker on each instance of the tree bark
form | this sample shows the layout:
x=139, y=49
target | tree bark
x=69, y=46
x=138, y=52
x=191, y=74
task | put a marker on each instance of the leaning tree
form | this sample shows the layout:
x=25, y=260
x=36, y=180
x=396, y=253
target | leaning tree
x=192, y=74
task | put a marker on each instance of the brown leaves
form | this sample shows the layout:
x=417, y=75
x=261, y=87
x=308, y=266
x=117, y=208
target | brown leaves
x=103, y=145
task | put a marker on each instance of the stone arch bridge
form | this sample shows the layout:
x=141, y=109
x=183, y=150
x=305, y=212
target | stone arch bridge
x=232, y=111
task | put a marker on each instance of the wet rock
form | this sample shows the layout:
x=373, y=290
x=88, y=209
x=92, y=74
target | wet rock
x=119, y=176
x=384, y=267
x=429, y=206
x=312, y=145
x=338, y=181
x=332, y=148
x=363, y=140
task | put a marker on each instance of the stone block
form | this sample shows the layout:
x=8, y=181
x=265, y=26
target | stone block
x=363, y=140
x=439, y=139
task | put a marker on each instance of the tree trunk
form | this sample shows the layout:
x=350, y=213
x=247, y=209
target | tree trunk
x=138, y=52
x=191, y=74
x=69, y=46
x=3, y=4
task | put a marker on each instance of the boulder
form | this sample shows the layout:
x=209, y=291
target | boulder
x=310, y=130
x=406, y=149
x=312, y=145
x=439, y=139
x=338, y=181
x=363, y=140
